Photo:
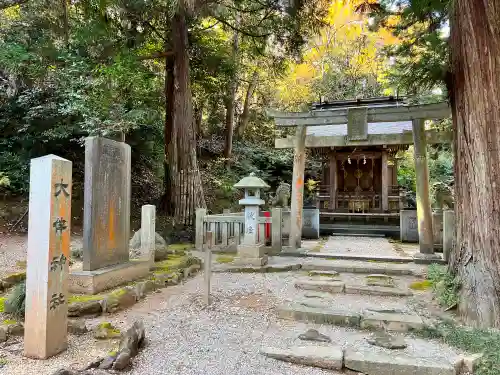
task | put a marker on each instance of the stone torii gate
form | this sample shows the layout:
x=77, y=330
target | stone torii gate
x=357, y=119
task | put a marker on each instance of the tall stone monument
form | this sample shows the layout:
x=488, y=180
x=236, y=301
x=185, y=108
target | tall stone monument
x=250, y=251
x=48, y=257
x=106, y=223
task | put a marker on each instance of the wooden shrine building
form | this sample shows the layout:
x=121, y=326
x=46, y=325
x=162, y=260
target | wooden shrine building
x=359, y=140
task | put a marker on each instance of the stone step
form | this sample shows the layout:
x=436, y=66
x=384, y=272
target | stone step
x=382, y=362
x=366, y=258
x=327, y=357
x=366, y=360
x=391, y=269
x=333, y=286
x=320, y=285
x=314, y=311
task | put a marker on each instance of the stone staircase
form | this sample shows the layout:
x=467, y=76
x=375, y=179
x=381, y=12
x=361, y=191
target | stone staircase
x=370, y=338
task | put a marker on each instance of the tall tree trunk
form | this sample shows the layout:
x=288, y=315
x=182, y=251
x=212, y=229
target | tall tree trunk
x=185, y=173
x=170, y=145
x=231, y=94
x=198, y=119
x=245, y=115
x=475, y=47
x=64, y=4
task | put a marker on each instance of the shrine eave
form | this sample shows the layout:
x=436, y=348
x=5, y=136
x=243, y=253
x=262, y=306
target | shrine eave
x=405, y=138
x=340, y=116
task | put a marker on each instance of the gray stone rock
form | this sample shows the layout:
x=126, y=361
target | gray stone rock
x=94, y=364
x=133, y=339
x=386, y=340
x=4, y=333
x=119, y=300
x=377, y=291
x=16, y=329
x=107, y=363
x=77, y=327
x=314, y=335
x=161, y=249
x=77, y=253
x=122, y=360
x=65, y=372
x=106, y=331
x=327, y=357
x=84, y=308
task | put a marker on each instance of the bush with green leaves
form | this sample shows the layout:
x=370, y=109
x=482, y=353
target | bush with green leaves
x=15, y=302
x=446, y=285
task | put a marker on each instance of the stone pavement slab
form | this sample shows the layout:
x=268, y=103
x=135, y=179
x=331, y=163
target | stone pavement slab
x=377, y=290
x=316, y=313
x=384, y=362
x=327, y=357
x=391, y=321
x=320, y=285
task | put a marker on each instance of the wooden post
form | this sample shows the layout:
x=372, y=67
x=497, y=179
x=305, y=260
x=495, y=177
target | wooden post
x=385, y=182
x=208, y=266
x=276, y=228
x=200, y=227
x=297, y=189
x=424, y=213
x=332, y=205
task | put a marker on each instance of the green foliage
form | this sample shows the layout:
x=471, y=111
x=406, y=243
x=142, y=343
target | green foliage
x=471, y=340
x=421, y=58
x=446, y=286
x=15, y=301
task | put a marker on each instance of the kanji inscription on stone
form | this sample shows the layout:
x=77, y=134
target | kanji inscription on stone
x=46, y=316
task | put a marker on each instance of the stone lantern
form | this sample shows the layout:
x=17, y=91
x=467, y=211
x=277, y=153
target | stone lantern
x=250, y=251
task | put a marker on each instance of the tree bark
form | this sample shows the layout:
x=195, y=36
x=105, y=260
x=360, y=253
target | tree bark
x=186, y=179
x=231, y=94
x=245, y=115
x=170, y=145
x=475, y=38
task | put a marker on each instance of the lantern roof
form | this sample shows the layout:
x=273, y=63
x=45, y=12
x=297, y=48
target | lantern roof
x=251, y=182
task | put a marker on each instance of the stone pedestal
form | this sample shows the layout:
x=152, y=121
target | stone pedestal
x=48, y=257
x=148, y=232
x=106, y=222
x=408, y=225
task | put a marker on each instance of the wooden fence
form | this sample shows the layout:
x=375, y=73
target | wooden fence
x=228, y=229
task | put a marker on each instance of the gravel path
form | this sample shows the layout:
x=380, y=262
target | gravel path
x=367, y=246
x=185, y=338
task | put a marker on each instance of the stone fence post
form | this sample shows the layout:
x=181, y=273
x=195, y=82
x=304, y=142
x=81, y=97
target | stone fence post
x=448, y=233
x=148, y=232
x=200, y=228
x=276, y=229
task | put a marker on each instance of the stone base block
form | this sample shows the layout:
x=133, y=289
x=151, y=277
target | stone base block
x=377, y=291
x=247, y=261
x=420, y=258
x=251, y=251
x=93, y=282
x=319, y=315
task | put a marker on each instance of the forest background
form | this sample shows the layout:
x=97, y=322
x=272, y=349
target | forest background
x=187, y=85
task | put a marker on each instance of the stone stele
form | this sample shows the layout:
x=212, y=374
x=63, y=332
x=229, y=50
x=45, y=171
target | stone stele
x=46, y=317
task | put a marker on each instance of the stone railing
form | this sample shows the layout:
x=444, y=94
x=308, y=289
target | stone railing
x=228, y=229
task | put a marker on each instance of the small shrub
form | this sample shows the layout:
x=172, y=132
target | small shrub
x=15, y=300
x=446, y=285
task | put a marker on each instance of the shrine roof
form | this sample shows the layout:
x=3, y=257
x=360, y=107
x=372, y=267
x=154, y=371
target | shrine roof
x=373, y=128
